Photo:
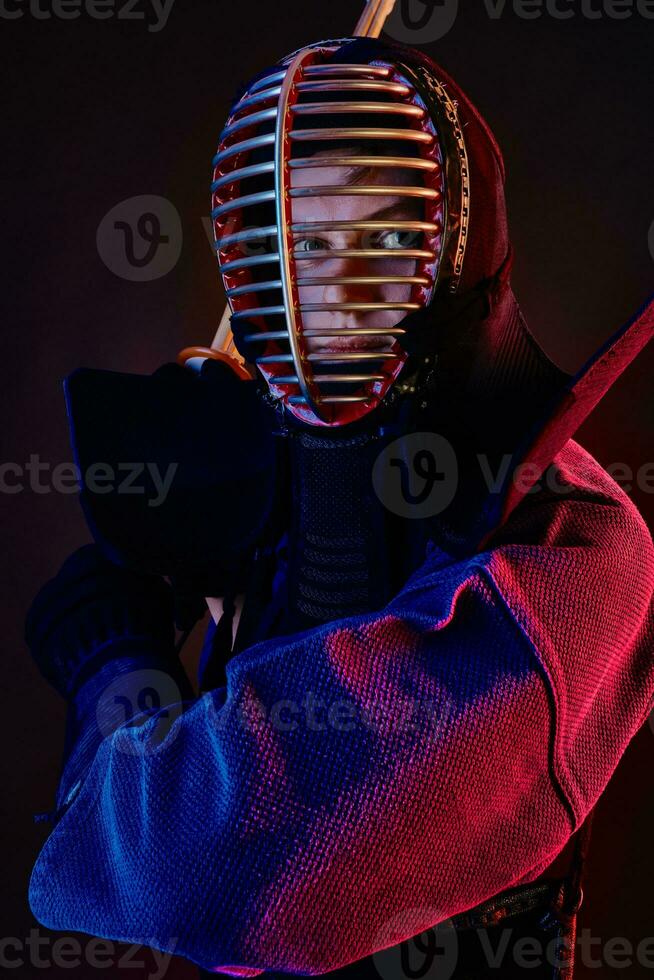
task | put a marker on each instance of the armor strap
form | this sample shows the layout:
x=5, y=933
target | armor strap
x=562, y=896
x=559, y=898
x=571, y=897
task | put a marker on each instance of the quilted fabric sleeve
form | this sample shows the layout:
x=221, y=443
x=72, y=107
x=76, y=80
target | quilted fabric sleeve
x=359, y=782
x=583, y=596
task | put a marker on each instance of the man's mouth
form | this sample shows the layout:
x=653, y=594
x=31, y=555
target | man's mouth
x=377, y=342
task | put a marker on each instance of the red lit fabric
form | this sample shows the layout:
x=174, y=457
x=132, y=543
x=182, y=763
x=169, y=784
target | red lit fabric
x=246, y=843
x=269, y=845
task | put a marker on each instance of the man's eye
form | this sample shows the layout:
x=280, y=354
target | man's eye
x=395, y=239
x=309, y=245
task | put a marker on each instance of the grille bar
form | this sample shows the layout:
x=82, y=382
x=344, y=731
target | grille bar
x=243, y=202
x=251, y=119
x=366, y=190
x=272, y=79
x=366, y=253
x=264, y=337
x=258, y=98
x=357, y=85
x=249, y=235
x=245, y=263
x=242, y=173
x=361, y=133
x=254, y=287
x=327, y=332
x=362, y=307
x=326, y=399
x=284, y=243
x=353, y=356
x=258, y=311
x=387, y=108
x=365, y=226
x=405, y=163
x=376, y=72
x=267, y=139
x=289, y=379
x=353, y=331
x=362, y=280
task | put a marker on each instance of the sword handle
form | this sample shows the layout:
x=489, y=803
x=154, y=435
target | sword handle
x=373, y=18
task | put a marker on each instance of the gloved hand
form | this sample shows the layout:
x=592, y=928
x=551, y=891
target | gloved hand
x=93, y=611
x=104, y=637
x=194, y=464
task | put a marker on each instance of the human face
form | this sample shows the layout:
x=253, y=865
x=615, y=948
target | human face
x=352, y=207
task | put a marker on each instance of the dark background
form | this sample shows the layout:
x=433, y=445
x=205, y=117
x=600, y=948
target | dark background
x=99, y=111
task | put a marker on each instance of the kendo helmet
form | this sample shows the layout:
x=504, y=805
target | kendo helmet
x=350, y=123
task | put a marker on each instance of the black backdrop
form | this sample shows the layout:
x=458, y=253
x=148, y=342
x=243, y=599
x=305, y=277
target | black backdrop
x=100, y=111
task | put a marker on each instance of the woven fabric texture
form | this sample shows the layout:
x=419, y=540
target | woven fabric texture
x=360, y=781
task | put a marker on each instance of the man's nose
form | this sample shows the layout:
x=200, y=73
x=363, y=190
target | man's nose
x=348, y=281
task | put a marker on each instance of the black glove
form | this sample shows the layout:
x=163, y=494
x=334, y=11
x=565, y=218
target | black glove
x=103, y=636
x=91, y=611
x=207, y=438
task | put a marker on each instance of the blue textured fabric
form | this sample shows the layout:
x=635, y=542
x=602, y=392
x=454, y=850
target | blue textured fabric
x=134, y=684
x=355, y=783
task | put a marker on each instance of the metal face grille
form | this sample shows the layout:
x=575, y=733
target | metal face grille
x=299, y=122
